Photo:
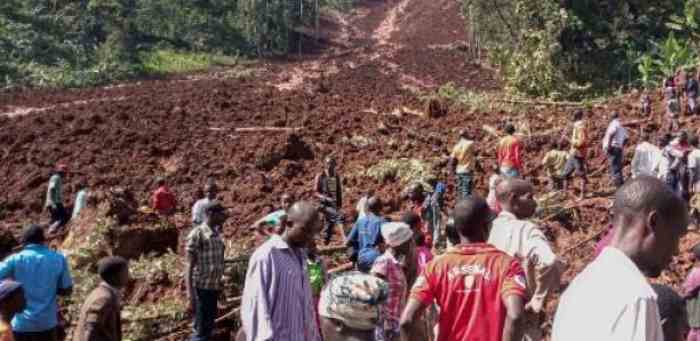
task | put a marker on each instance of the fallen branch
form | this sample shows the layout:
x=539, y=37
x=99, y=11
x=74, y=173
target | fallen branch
x=266, y=129
x=579, y=244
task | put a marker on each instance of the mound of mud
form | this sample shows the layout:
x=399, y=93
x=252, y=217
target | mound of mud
x=290, y=147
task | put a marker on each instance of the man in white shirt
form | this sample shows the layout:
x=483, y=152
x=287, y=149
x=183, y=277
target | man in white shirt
x=647, y=157
x=513, y=234
x=611, y=300
x=694, y=165
x=210, y=192
x=613, y=144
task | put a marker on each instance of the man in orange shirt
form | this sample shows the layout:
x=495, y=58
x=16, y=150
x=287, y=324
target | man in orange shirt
x=508, y=154
x=163, y=200
x=479, y=289
x=12, y=302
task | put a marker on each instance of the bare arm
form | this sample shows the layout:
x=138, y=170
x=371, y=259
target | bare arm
x=410, y=317
x=512, y=329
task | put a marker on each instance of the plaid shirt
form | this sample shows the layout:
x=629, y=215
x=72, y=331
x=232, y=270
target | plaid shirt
x=391, y=270
x=205, y=246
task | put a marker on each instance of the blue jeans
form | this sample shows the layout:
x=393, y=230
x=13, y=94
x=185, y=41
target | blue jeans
x=615, y=158
x=206, y=307
x=464, y=185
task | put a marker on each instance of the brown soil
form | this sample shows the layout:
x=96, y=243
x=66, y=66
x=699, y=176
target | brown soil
x=185, y=129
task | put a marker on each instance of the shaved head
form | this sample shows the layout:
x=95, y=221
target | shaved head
x=303, y=220
x=374, y=204
x=644, y=194
x=472, y=217
x=516, y=196
x=649, y=220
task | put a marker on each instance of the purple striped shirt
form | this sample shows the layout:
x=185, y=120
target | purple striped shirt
x=277, y=302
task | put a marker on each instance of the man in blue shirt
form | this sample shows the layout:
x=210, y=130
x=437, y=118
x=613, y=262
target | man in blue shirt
x=43, y=274
x=365, y=236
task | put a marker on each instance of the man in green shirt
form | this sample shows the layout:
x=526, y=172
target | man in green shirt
x=54, y=198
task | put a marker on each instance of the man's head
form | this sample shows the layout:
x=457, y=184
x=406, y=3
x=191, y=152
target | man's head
x=649, y=222
x=674, y=318
x=451, y=232
x=614, y=115
x=683, y=136
x=578, y=115
x=411, y=219
x=464, y=133
x=160, y=181
x=330, y=164
x=211, y=190
x=664, y=140
x=516, y=197
x=12, y=299
x=374, y=204
x=350, y=306
x=302, y=224
x=215, y=214
x=694, y=141
x=472, y=219
x=509, y=129
x=286, y=201
x=114, y=271
x=645, y=135
x=33, y=234
x=399, y=237
x=416, y=192
x=61, y=169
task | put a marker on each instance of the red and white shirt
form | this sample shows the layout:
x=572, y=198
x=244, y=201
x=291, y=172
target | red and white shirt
x=470, y=284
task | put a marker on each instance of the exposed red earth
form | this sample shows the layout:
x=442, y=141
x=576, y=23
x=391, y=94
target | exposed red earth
x=372, y=62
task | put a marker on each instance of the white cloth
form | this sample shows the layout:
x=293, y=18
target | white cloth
x=646, y=160
x=80, y=202
x=395, y=233
x=609, y=301
x=198, y=211
x=361, y=207
x=527, y=243
x=616, y=135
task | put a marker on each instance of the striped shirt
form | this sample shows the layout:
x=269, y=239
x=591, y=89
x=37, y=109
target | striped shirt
x=277, y=303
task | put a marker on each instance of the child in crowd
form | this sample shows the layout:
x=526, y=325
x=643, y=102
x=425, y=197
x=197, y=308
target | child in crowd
x=673, y=109
x=491, y=199
x=318, y=275
x=423, y=252
x=554, y=162
x=691, y=288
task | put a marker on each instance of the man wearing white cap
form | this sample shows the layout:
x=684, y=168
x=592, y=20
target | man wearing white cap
x=390, y=267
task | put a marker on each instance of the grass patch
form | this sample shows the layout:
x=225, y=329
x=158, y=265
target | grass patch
x=171, y=61
x=472, y=101
x=405, y=170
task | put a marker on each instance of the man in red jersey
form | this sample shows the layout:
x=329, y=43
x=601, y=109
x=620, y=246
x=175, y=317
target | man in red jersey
x=479, y=289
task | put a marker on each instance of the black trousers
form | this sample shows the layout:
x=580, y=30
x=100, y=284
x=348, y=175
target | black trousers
x=48, y=335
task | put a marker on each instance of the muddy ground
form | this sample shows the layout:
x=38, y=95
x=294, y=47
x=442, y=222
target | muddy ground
x=381, y=57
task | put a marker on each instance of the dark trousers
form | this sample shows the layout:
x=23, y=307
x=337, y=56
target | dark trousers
x=58, y=215
x=615, y=159
x=49, y=335
x=332, y=218
x=464, y=185
x=206, y=307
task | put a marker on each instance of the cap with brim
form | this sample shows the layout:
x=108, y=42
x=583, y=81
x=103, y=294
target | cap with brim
x=62, y=167
x=7, y=287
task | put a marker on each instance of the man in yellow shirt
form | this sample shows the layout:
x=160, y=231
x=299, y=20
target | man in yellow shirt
x=577, y=155
x=11, y=302
x=462, y=163
x=554, y=163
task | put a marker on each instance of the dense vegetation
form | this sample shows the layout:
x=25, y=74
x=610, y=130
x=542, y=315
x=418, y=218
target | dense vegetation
x=569, y=49
x=87, y=42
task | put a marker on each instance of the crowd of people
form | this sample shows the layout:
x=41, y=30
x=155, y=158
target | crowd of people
x=482, y=270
